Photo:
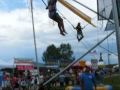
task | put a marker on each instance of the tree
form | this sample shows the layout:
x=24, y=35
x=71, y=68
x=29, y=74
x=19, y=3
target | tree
x=66, y=52
x=62, y=53
x=51, y=53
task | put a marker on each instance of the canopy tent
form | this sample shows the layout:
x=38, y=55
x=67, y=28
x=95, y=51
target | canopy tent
x=6, y=64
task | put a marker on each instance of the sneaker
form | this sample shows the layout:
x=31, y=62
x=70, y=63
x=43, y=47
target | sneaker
x=65, y=32
x=62, y=33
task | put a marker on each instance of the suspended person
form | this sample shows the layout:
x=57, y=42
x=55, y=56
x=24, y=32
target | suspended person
x=79, y=32
x=55, y=16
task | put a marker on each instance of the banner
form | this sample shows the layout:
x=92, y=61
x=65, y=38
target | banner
x=23, y=63
x=104, y=8
x=25, y=67
x=118, y=8
x=94, y=63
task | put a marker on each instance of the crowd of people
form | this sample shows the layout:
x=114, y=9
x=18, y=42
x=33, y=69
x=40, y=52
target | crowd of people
x=85, y=78
x=21, y=82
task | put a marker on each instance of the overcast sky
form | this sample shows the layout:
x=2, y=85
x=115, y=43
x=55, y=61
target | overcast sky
x=16, y=35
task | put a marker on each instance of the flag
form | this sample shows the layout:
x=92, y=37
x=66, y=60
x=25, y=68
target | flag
x=93, y=52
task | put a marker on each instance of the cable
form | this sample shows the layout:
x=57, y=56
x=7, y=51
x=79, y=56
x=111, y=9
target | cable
x=93, y=11
x=108, y=50
x=44, y=3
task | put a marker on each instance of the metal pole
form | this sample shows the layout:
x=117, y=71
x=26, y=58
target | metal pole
x=34, y=35
x=117, y=29
x=108, y=53
x=13, y=67
x=78, y=59
x=108, y=50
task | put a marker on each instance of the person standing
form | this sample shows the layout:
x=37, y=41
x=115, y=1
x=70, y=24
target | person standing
x=87, y=81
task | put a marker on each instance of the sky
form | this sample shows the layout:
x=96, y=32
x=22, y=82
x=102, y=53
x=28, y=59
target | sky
x=16, y=34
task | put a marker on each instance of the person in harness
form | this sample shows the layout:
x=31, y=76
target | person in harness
x=79, y=31
x=55, y=16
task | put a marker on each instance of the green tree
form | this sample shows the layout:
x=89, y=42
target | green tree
x=66, y=52
x=62, y=53
x=51, y=53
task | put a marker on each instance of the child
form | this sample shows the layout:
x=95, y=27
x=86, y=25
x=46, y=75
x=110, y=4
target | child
x=79, y=32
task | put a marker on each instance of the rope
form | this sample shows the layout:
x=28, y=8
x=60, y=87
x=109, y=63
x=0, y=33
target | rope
x=44, y=3
x=108, y=50
x=66, y=19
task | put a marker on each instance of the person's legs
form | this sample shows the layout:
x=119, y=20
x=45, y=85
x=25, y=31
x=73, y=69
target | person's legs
x=62, y=26
x=79, y=36
x=59, y=20
x=82, y=34
x=61, y=31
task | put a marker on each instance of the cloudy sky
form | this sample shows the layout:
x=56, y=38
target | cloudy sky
x=16, y=35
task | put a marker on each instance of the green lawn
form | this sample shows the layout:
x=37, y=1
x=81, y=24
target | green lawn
x=114, y=81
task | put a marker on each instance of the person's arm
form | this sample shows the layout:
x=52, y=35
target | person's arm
x=76, y=28
x=48, y=4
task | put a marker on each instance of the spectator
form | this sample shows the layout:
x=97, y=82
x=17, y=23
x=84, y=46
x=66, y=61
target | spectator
x=23, y=84
x=62, y=79
x=15, y=83
x=87, y=81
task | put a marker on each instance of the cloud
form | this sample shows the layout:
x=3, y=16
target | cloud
x=16, y=34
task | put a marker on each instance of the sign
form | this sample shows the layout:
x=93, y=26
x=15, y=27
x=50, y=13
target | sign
x=94, y=63
x=118, y=8
x=23, y=60
x=104, y=8
x=25, y=67
x=23, y=63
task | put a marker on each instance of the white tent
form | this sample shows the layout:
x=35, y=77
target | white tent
x=6, y=64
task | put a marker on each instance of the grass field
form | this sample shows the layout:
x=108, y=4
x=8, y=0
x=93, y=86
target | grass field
x=114, y=81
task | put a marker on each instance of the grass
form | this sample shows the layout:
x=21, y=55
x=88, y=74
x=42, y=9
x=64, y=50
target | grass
x=114, y=81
